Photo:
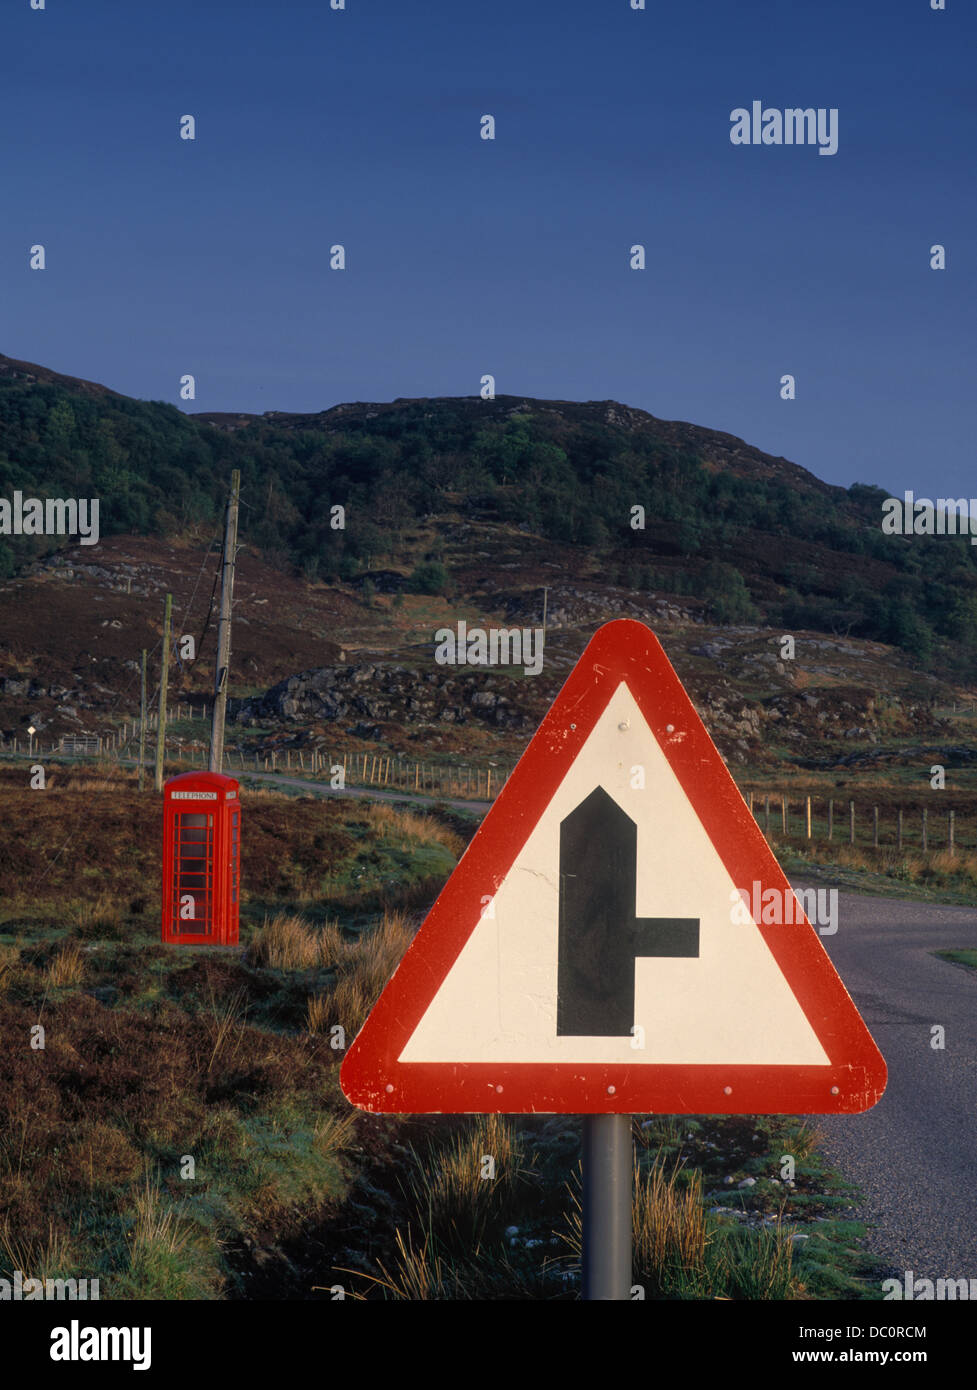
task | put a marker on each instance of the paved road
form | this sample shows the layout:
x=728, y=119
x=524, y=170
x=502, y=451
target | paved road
x=914, y=1156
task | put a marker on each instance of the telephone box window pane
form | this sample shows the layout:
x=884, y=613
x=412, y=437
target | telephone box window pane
x=193, y=873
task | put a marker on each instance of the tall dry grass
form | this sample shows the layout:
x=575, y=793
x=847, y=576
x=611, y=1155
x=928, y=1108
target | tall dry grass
x=669, y=1226
x=679, y=1252
x=350, y=1005
x=100, y=919
x=374, y=956
x=420, y=1274
x=935, y=867
x=36, y=1258
x=225, y=1035
x=334, y=1133
x=67, y=967
x=670, y=1232
x=154, y=1227
x=318, y=1014
x=451, y=1246
x=450, y=1185
x=365, y=966
x=9, y=960
x=289, y=942
x=392, y=822
x=165, y=1260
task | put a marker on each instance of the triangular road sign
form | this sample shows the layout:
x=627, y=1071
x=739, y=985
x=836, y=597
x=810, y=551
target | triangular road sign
x=591, y=953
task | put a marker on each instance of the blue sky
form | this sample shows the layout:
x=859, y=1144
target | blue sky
x=509, y=256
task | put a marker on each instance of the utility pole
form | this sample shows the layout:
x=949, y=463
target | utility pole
x=224, y=627
x=142, y=720
x=163, y=682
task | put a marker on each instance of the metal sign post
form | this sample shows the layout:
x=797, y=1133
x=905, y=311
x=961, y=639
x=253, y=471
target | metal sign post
x=608, y=1167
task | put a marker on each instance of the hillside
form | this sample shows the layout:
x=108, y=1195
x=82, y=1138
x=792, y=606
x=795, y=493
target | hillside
x=464, y=509
x=757, y=537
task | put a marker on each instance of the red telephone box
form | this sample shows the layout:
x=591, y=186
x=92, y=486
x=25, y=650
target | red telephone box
x=201, y=859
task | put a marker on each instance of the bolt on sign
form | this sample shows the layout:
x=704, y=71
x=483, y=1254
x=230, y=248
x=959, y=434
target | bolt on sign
x=585, y=955
x=201, y=859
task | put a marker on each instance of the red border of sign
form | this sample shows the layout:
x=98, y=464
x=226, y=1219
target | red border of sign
x=373, y=1079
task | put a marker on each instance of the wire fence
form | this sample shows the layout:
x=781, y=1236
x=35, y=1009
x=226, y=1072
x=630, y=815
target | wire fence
x=823, y=819
x=464, y=781
x=845, y=821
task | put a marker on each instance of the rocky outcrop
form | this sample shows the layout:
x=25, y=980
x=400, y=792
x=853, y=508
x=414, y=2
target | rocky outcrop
x=382, y=693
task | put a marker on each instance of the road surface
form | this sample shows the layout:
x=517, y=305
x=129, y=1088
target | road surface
x=914, y=1155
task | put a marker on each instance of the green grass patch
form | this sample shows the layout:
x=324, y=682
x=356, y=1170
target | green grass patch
x=963, y=956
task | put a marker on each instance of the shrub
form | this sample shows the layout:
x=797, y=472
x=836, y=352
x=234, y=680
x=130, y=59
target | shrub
x=428, y=578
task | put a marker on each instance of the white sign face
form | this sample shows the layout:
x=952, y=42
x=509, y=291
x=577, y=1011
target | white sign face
x=193, y=796
x=728, y=1004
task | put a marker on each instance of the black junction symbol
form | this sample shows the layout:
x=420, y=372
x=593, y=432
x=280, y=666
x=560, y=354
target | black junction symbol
x=599, y=934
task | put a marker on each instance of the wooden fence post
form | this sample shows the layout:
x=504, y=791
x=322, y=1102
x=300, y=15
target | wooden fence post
x=851, y=822
x=899, y=829
x=924, y=829
x=808, y=817
x=831, y=817
x=875, y=827
x=950, y=844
